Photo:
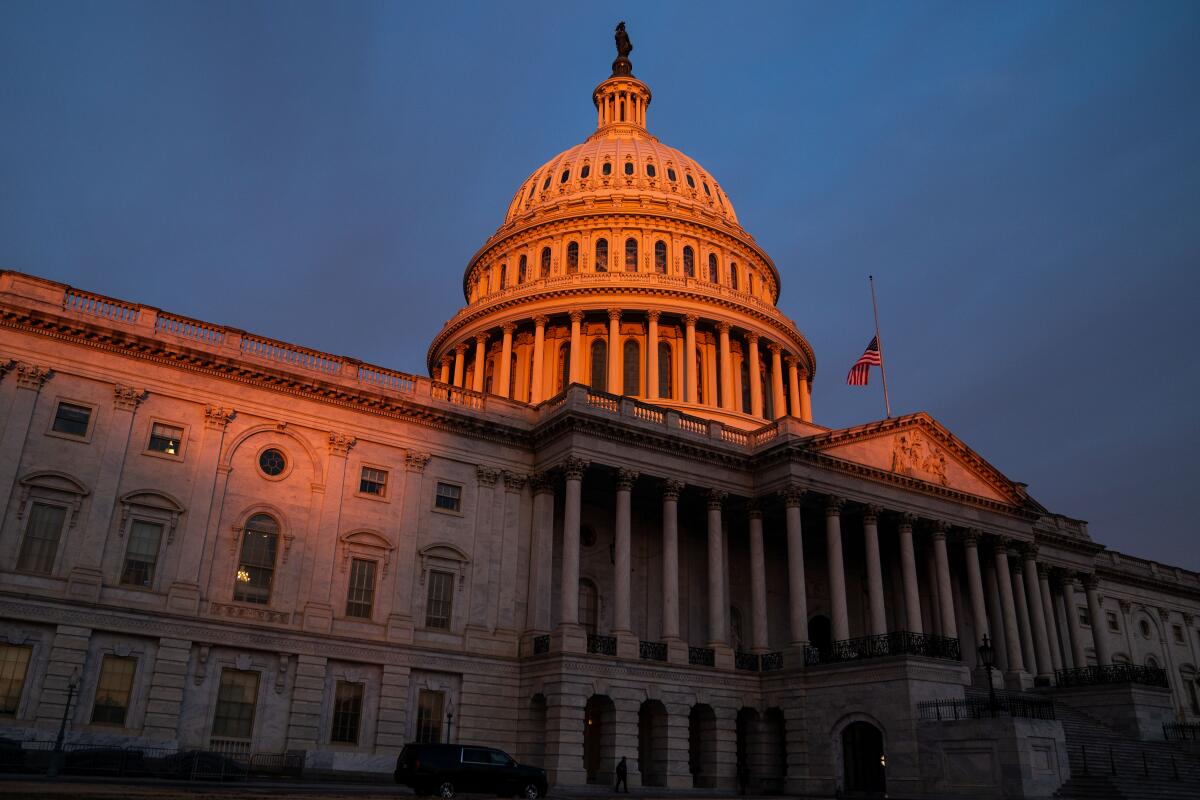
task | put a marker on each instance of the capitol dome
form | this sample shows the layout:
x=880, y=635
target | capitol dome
x=621, y=265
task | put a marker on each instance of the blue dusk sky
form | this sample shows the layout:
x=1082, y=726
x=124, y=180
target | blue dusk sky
x=1023, y=179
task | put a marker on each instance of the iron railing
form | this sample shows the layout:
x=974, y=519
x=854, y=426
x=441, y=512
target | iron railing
x=702, y=656
x=746, y=660
x=602, y=645
x=77, y=758
x=897, y=643
x=983, y=707
x=771, y=661
x=541, y=644
x=1112, y=673
x=652, y=651
x=1181, y=731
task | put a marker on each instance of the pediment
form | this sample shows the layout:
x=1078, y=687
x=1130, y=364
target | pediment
x=917, y=447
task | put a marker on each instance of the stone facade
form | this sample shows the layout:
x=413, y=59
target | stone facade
x=226, y=541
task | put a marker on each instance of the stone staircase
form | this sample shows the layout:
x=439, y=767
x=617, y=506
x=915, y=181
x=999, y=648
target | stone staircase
x=1107, y=765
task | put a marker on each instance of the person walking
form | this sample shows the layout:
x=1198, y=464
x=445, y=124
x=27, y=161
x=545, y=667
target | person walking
x=622, y=776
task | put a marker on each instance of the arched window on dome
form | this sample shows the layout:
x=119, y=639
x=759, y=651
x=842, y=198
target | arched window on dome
x=689, y=262
x=750, y=281
x=599, y=365
x=546, y=183
x=564, y=366
x=606, y=169
x=587, y=170
x=545, y=262
x=690, y=182
x=713, y=270
x=671, y=174
x=631, y=254
x=664, y=371
x=566, y=175
x=628, y=167
x=573, y=257
x=503, y=275
x=532, y=189
x=602, y=255
x=706, y=189
x=632, y=368
x=733, y=276
x=660, y=257
x=487, y=283
x=522, y=269
x=650, y=173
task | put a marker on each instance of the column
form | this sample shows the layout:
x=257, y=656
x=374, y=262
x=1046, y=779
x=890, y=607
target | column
x=692, y=380
x=945, y=592
x=670, y=561
x=837, y=575
x=874, y=571
x=991, y=591
x=460, y=357
x=318, y=611
x=725, y=367
x=1037, y=613
x=30, y=378
x=1012, y=637
x=716, y=571
x=908, y=564
x=1091, y=585
x=758, y=581
x=538, y=366
x=756, y=399
x=616, y=376
x=505, y=368
x=1078, y=652
x=652, y=355
x=1024, y=625
x=931, y=582
x=777, y=398
x=793, y=386
x=975, y=583
x=1126, y=624
x=1043, y=573
x=573, y=470
x=484, y=551
x=480, y=361
x=797, y=592
x=805, y=397
x=621, y=553
x=541, y=552
x=575, y=375
x=444, y=372
x=1174, y=679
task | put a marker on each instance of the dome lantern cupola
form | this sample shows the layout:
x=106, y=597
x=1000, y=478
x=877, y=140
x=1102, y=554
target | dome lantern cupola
x=621, y=100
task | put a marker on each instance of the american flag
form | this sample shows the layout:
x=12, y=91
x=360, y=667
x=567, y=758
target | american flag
x=860, y=373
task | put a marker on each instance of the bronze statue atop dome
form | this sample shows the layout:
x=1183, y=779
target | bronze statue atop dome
x=622, y=66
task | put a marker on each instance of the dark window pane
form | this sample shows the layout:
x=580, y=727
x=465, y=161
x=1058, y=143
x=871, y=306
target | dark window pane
x=650, y=170
x=72, y=419
x=587, y=170
x=165, y=438
x=360, y=595
x=40, y=545
x=606, y=169
x=600, y=365
x=347, y=712
x=142, y=554
x=628, y=167
x=449, y=497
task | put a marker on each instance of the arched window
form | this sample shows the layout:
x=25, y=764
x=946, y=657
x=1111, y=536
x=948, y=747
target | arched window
x=768, y=398
x=564, y=366
x=487, y=283
x=631, y=254
x=587, y=170
x=699, y=379
x=706, y=189
x=600, y=365
x=745, y=371
x=602, y=255
x=689, y=262
x=712, y=268
x=691, y=183
x=606, y=168
x=633, y=368
x=664, y=371
x=256, y=563
x=545, y=262
x=522, y=268
x=546, y=184
x=670, y=174
x=660, y=257
x=628, y=167
x=503, y=275
x=566, y=174
x=650, y=173
x=750, y=282
x=733, y=276
x=573, y=257
x=489, y=373
x=589, y=606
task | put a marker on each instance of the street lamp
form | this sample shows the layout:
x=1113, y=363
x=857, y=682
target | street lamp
x=449, y=724
x=987, y=657
x=57, y=758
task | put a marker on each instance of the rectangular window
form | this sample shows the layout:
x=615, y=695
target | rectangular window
x=72, y=419
x=14, y=663
x=165, y=439
x=142, y=554
x=1113, y=624
x=40, y=545
x=373, y=481
x=256, y=570
x=360, y=596
x=449, y=497
x=237, y=697
x=429, y=716
x=347, y=712
x=113, y=689
x=438, y=607
x=1084, y=618
x=1177, y=630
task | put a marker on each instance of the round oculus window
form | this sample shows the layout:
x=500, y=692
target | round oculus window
x=272, y=462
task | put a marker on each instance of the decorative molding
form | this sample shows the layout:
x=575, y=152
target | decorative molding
x=914, y=456
x=32, y=376
x=127, y=398
x=833, y=505
x=714, y=498
x=281, y=673
x=753, y=508
x=249, y=612
x=217, y=418
x=487, y=476
x=541, y=482
x=573, y=468
x=793, y=496
x=416, y=462
x=626, y=479
x=671, y=488
x=514, y=481
x=871, y=513
x=341, y=444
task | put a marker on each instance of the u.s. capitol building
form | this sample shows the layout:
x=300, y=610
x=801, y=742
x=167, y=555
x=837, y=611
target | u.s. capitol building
x=606, y=523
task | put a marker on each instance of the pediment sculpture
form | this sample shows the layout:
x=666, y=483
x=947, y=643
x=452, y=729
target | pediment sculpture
x=917, y=457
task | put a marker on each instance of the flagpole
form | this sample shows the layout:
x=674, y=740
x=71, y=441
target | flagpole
x=887, y=404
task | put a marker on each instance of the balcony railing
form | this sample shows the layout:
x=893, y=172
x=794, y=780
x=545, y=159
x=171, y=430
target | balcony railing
x=769, y=662
x=602, y=645
x=1181, y=731
x=981, y=708
x=541, y=644
x=897, y=643
x=702, y=656
x=746, y=660
x=1113, y=673
x=652, y=651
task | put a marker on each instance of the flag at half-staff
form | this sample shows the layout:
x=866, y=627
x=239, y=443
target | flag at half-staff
x=860, y=373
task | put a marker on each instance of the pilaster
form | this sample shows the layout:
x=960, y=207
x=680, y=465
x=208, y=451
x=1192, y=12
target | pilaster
x=304, y=713
x=165, y=698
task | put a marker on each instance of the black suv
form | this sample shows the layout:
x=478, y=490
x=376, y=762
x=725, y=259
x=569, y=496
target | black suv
x=447, y=769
